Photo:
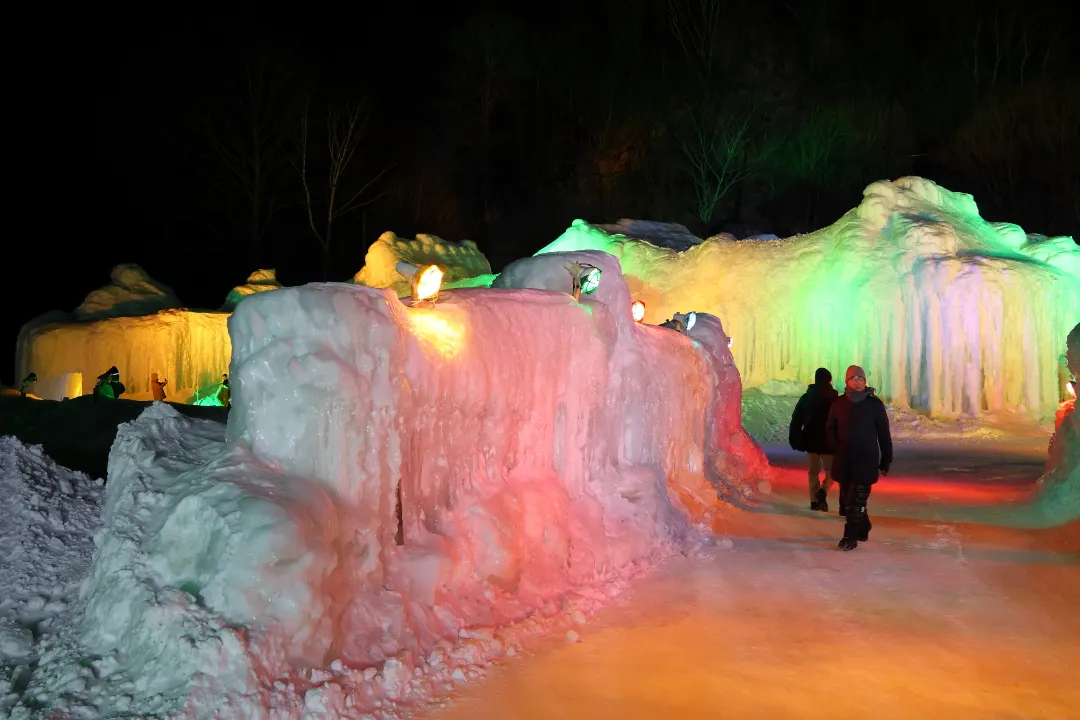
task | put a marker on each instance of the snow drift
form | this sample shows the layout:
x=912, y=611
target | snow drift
x=46, y=538
x=459, y=261
x=950, y=314
x=189, y=348
x=394, y=477
x=1059, y=488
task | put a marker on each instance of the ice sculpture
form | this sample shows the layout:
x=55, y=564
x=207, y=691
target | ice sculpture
x=950, y=314
x=1059, y=488
x=460, y=261
x=258, y=281
x=394, y=475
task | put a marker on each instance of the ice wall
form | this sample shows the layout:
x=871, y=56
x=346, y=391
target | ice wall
x=394, y=476
x=191, y=349
x=948, y=313
x=459, y=261
x=1059, y=487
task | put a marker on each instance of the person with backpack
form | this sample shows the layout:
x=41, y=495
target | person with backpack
x=807, y=434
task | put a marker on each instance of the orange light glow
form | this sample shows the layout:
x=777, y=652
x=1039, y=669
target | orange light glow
x=428, y=283
x=638, y=310
x=438, y=329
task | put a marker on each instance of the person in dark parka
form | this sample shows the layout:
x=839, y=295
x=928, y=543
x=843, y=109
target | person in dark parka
x=858, y=433
x=807, y=434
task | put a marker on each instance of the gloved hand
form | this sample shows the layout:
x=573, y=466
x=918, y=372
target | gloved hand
x=884, y=468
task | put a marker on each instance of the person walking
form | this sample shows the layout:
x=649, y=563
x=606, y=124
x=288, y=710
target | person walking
x=857, y=431
x=807, y=434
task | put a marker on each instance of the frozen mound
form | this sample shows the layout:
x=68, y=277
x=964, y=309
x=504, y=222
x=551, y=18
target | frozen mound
x=130, y=292
x=660, y=234
x=47, y=531
x=950, y=314
x=459, y=261
x=1059, y=487
x=398, y=488
x=189, y=349
x=258, y=281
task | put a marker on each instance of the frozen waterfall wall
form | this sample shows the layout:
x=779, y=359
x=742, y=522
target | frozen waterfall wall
x=948, y=313
x=189, y=349
x=482, y=456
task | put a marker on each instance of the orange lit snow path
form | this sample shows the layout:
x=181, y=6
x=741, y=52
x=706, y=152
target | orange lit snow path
x=933, y=618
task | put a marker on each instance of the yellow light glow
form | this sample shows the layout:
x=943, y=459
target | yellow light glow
x=428, y=283
x=638, y=310
x=438, y=329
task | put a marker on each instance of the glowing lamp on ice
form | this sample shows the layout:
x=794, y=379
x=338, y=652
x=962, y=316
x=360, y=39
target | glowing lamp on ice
x=1071, y=387
x=585, y=277
x=427, y=283
x=637, y=310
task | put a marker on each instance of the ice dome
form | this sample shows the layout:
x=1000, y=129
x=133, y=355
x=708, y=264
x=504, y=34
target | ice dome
x=131, y=291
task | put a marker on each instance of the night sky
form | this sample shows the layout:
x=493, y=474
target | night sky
x=502, y=123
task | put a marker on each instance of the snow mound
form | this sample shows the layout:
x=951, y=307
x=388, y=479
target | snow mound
x=660, y=234
x=1059, y=487
x=130, y=292
x=459, y=261
x=188, y=348
x=950, y=314
x=258, y=281
x=49, y=517
x=399, y=490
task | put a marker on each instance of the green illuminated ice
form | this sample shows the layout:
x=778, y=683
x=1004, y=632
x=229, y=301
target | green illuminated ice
x=949, y=314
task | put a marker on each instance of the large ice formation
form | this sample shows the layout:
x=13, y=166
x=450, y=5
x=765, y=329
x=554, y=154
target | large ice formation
x=188, y=348
x=950, y=314
x=459, y=261
x=258, y=281
x=130, y=292
x=1059, y=488
x=395, y=478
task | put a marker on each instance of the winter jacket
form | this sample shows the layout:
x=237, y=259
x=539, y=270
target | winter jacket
x=110, y=389
x=157, y=389
x=858, y=436
x=807, y=430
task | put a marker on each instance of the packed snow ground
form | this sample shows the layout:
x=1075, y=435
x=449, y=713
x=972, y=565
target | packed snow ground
x=935, y=616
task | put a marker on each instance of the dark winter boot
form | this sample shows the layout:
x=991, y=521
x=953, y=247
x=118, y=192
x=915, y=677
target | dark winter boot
x=820, y=502
x=860, y=494
x=847, y=544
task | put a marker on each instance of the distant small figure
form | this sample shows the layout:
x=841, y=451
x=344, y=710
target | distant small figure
x=109, y=385
x=223, y=393
x=157, y=388
x=26, y=383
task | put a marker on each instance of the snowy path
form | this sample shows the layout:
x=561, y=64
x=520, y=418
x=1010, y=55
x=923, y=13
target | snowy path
x=931, y=618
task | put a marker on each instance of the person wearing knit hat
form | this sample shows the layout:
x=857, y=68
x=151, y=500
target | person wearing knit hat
x=857, y=430
x=807, y=434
